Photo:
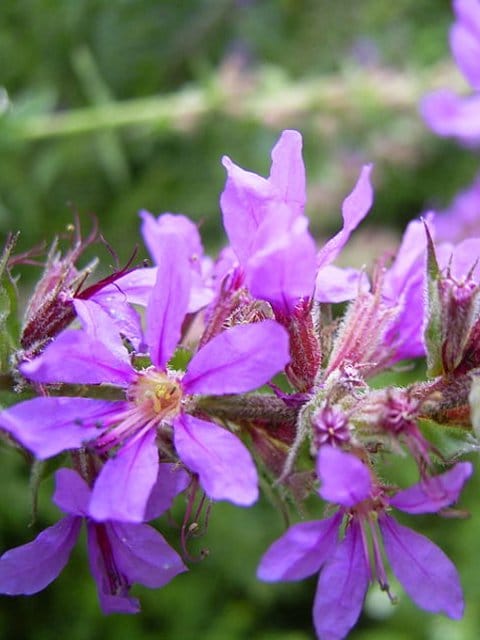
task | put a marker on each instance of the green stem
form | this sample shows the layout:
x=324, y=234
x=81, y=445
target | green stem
x=266, y=96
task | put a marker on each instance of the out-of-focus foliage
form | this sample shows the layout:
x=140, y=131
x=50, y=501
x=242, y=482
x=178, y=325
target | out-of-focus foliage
x=112, y=106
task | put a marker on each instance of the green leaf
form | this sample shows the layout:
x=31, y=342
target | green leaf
x=8, y=308
x=433, y=329
x=450, y=441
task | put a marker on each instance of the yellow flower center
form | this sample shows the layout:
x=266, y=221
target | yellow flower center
x=157, y=394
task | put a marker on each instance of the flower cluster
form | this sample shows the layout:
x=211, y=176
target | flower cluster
x=183, y=381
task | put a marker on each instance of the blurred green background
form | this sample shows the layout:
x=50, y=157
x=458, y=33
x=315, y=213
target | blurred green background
x=110, y=107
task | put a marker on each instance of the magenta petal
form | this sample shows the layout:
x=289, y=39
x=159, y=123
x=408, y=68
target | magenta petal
x=301, y=551
x=409, y=264
x=334, y=284
x=113, y=587
x=434, y=493
x=154, y=230
x=122, y=489
x=223, y=463
x=100, y=326
x=135, y=287
x=284, y=271
x=341, y=588
x=168, y=302
x=47, y=426
x=427, y=575
x=355, y=207
x=171, y=480
x=449, y=115
x=124, y=317
x=78, y=358
x=288, y=171
x=143, y=556
x=465, y=40
x=239, y=359
x=244, y=202
x=344, y=478
x=462, y=259
x=31, y=567
x=72, y=493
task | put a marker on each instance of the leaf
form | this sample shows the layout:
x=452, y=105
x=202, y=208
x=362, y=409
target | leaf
x=8, y=308
x=433, y=328
x=450, y=441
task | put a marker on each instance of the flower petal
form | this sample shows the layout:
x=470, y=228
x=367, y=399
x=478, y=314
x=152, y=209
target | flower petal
x=287, y=173
x=341, y=588
x=283, y=271
x=100, y=326
x=72, y=493
x=450, y=115
x=135, y=287
x=47, y=426
x=427, y=575
x=223, y=463
x=143, y=556
x=334, y=284
x=434, y=493
x=113, y=587
x=245, y=202
x=465, y=40
x=122, y=489
x=239, y=359
x=78, y=358
x=301, y=551
x=127, y=321
x=171, y=480
x=31, y=567
x=344, y=478
x=168, y=302
x=355, y=207
x=169, y=224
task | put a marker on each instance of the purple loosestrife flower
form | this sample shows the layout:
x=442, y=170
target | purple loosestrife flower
x=136, y=286
x=157, y=400
x=277, y=258
x=334, y=284
x=268, y=231
x=403, y=288
x=345, y=564
x=120, y=554
x=445, y=112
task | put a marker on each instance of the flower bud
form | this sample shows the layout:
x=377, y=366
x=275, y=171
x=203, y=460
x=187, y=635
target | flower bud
x=330, y=427
x=50, y=308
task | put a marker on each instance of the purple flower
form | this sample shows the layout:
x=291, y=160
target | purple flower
x=345, y=563
x=157, y=400
x=460, y=220
x=332, y=283
x=445, y=112
x=268, y=231
x=120, y=554
x=136, y=286
x=403, y=287
x=386, y=325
